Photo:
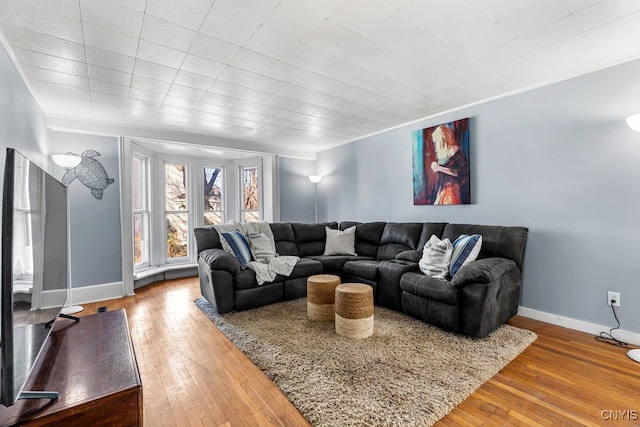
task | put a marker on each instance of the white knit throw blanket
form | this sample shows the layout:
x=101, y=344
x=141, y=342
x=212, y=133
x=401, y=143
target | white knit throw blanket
x=282, y=265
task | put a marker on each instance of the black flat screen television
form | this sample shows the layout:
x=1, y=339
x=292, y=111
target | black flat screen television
x=34, y=269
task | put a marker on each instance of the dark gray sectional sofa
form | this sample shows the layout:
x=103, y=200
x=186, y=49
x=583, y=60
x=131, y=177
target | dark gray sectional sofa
x=480, y=297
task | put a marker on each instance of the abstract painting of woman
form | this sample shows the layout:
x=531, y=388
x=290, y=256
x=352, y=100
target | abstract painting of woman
x=441, y=166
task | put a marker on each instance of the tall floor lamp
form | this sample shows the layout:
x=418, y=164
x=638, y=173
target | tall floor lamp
x=634, y=123
x=68, y=161
x=315, y=179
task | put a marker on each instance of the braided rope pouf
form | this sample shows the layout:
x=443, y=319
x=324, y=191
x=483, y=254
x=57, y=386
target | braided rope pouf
x=354, y=310
x=321, y=292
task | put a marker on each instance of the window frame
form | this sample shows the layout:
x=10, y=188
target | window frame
x=189, y=175
x=215, y=164
x=246, y=164
x=145, y=211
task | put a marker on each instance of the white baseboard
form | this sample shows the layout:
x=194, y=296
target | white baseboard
x=93, y=293
x=578, y=325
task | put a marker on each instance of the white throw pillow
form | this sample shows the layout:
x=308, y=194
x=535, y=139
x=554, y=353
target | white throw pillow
x=340, y=242
x=465, y=249
x=261, y=247
x=436, y=257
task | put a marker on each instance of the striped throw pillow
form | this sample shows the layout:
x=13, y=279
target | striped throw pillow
x=465, y=250
x=236, y=244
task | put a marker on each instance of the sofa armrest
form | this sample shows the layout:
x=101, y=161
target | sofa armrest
x=219, y=259
x=485, y=270
x=410, y=255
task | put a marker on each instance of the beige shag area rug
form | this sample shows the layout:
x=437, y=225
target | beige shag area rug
x=407, y=374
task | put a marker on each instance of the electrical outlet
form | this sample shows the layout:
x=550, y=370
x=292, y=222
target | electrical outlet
x=615, y=297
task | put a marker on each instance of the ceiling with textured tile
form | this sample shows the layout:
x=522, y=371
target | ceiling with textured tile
x=298, y=76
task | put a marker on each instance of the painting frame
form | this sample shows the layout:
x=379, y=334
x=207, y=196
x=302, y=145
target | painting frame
x=441, y=164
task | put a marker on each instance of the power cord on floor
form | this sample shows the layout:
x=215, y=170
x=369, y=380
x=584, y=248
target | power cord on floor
x=608, y=338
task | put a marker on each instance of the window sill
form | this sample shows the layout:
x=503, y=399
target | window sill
x=154, y=274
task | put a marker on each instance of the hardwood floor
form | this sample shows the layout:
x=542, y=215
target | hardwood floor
x=193, y=376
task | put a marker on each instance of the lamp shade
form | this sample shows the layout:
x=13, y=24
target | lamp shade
x=66, y=161
x=315, y=178
x=634, y=122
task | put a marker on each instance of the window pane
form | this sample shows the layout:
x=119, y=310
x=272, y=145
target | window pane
x=250, y=189
x=251, y=217
x=137, y=179
x=212, y=218
x=138, y=239
x=176, y=187
x=213, y=189
x=177, y=236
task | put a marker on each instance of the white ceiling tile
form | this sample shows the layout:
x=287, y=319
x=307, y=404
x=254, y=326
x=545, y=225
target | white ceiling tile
x=525, y=71
x=562, y=48
x=291, y=19
x=191, y=80
x=25, y=57
x=108, y=98
x=111, y=16
x=65, y=79
x=576, y=64
x=106, y=87
x=621, y=49
x=500, y=9
x=255, y=11
x=501, y=53
x=111, y=60
x=63, y=27
x=306, y=57
x=350, y=15
x=577, y=5
x=140, y=104
x=167, y=34
x=39, y=85
x=214, y=49
x=282, y=102
x=552, y=33
x=32, y=73
x=108, y=40
x=150, y=84
x=7, y=14
x=251, y=61
x=159, y=54
x=185, y=92
x=109, y=75
x=228, y=89
x=536, y=15
x=285, y=72
x=145, y=95
x=228, y=27
x=269, y=85
x=177, y=101
x=329, y=37
x=14, y=36
x=237, y=76
x=62, y=65
x=55, y=46
x=400, y=34
x=204, y=67
x=616, y=29
x=434, y=12
x=323, y=8
x=189, y=14
x=154, y=71
x=59, y=7
x=269, y=43
x=604, y=13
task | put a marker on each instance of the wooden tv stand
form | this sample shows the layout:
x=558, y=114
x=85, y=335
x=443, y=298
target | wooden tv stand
x=92, y=365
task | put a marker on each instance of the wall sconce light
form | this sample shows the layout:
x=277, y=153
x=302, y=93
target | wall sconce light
x=634, y=122
x=315, y=179
x=66, y=161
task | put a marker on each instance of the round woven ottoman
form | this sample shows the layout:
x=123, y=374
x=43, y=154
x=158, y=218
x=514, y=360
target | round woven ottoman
x=354, y=310
x=321, y=293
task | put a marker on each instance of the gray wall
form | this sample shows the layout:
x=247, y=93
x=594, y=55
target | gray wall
x=559, y=160
x=22, y=123
x=296, y=191
x=96, y=251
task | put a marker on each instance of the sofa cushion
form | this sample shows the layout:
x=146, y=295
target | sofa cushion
x=284, y=238
x=335, y=263
x=429, y=287
x=366, y=269
x=340, y=242
x=237, y=245
x=465, y=250
x=436, y=257
x=398, y=237
x=430, y=229
x=368, y=235
x=311, y=238
x=206, y=238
